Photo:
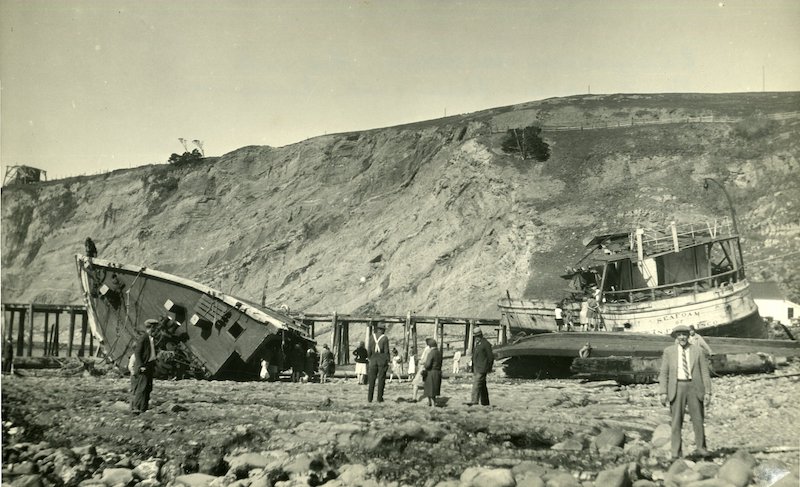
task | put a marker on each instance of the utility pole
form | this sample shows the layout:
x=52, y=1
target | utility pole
x=763, y=78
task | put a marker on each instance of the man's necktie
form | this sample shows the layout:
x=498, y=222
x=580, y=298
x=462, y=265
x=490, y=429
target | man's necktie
x=685, y=363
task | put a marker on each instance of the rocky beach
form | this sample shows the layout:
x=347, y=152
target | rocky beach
x=77, y=430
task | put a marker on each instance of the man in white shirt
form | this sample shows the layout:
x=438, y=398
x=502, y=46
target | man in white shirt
x=684, y=382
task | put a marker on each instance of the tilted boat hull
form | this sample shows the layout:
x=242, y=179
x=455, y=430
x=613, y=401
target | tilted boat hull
x=226, y=335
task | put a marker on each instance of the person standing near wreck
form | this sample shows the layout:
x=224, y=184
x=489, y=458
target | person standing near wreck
x=378, y=357
x=685, y=381
x=482, y=361
x=360, y=356
x=696, y=339
x=91, y=249
x=433, y=372
x=326, y=364
x=144, y=367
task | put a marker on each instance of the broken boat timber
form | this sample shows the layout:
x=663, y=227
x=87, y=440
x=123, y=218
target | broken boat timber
x=645, y=370
x=225, y=336
x=551, y=355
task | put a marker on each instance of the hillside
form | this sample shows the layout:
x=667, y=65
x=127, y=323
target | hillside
x=428, y=217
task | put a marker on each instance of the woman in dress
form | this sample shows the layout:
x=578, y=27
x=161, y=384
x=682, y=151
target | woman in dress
x=397, y=366
x=325, y=363
x=433, y=373
x=360, y=354
x=418, y=382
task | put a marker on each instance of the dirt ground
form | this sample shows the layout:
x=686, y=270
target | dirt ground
x=195, y=424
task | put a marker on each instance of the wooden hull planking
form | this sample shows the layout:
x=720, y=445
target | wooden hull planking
x=224, y=333
x=724, y=311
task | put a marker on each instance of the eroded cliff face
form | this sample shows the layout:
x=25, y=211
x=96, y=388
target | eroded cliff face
x=430, y=217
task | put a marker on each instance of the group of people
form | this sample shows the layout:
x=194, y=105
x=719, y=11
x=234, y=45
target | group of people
x=374, y=358
x=589, y=316
x=684, y=380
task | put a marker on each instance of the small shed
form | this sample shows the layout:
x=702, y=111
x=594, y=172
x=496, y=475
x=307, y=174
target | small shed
x=772, y=302
x=23, y=175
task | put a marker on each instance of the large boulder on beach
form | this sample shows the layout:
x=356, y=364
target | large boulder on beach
x=738, y=468
x=615, y=477
x=609, y=438
x=487, y=477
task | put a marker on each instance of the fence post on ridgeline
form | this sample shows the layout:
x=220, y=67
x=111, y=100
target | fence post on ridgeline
x=71, y=332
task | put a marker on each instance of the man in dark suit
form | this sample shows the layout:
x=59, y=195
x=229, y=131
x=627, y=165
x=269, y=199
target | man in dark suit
x=143, y=368
x=378, y=361
x=684, y=382
x=482, y=361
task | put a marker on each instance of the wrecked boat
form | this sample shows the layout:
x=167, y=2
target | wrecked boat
x=649, y=281
x=641, y=284
x=200, y=330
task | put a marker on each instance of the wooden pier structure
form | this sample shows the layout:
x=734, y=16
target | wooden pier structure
x=19, y=319
x=21, y=329
x=340, y=329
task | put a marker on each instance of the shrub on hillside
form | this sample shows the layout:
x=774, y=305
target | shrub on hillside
x=527, y=142
x=754, y=127
x=185, y=158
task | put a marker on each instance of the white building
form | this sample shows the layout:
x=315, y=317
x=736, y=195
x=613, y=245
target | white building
x=772, y=302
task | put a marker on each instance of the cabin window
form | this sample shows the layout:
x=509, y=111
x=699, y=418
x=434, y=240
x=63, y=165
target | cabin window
x=236, y=330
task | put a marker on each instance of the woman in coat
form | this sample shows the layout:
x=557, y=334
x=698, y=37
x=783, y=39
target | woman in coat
x=433, y=372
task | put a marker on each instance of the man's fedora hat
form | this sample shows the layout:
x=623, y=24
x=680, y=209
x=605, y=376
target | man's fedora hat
x=679, y=329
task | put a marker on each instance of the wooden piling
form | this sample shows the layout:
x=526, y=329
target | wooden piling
x=46, y=338
x=10, y=329
x=71, y=332
x=335, y=335
x=414, y=337
x=56, y=344
x=21, y=337
x=81, y=350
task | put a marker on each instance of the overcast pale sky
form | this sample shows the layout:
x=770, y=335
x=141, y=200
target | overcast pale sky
x=89, y=86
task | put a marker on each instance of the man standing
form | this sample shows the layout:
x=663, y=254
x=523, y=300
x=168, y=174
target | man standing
x=91, y=249
x=378, y=357
x=144, y=367
x=482, y=361
x=696, y=339
x=684, y=382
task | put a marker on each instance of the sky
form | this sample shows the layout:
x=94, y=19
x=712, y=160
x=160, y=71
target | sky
x=92, y=86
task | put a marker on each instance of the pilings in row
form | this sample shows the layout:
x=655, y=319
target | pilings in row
x=340, y=329
x=19, y=321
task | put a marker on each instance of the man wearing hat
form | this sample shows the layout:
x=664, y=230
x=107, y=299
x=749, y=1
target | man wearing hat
x=482, y=361
x=684, y=382
x=144, y=366
x=378, y=361
x=696, y=339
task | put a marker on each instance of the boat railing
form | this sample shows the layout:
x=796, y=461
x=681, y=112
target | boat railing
x=675, y=234
x=673, y=289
